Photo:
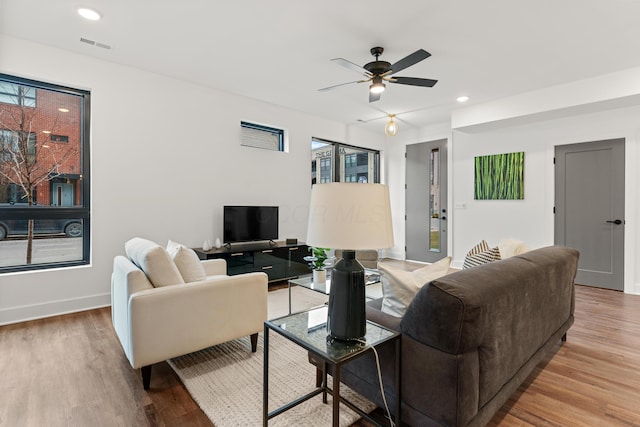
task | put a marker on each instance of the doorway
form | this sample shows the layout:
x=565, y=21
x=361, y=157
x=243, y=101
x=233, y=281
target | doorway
x=589, y=209
x=62, y=194
x=426, y=201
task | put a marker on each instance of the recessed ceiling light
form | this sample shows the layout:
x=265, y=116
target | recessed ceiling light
x=462, y=98
x=63, y=110
x=90, y=14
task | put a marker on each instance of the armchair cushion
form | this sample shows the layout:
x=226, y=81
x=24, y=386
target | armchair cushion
x=187, y=261
x=154, y=260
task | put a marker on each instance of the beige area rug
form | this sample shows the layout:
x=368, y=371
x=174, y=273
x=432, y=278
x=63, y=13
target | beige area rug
x=226, y=380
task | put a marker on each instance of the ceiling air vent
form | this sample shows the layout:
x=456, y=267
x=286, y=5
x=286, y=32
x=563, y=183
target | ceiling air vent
x=94, y=43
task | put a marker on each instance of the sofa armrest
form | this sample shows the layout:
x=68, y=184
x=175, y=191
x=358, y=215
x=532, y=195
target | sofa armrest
x=214, y=267
x=126, y=279
x=175, y=320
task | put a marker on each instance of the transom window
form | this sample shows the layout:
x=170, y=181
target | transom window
x=261, y=136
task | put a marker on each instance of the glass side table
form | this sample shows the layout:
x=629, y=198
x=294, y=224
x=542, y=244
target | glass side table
x=308, y=330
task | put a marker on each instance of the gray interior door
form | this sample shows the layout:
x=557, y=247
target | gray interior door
x=589, y=209
x=426, y=201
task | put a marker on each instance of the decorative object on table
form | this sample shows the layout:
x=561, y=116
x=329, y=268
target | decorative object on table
x=349, y=216
x=499, y=177
x=218, y=244
x=318, y=262
x=206, y=245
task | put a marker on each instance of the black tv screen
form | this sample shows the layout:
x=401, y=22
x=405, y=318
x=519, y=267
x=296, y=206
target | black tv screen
x=250, y=223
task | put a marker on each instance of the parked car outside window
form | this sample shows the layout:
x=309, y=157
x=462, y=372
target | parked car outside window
x=19, y=227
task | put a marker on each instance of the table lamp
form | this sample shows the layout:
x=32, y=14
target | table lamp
x=349, y=216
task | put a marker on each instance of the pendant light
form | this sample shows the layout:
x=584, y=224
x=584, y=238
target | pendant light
x=391, y=129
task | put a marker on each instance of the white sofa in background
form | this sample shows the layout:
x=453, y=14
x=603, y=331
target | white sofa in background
x=167, y=303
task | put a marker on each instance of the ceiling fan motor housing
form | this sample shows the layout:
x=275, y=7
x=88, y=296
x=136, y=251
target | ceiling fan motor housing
x=377, y=67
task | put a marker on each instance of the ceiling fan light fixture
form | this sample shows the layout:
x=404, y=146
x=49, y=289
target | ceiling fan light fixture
x=391, y=129
x=377, y=86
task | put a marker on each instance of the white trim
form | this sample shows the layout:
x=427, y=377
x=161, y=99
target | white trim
x=53, y=308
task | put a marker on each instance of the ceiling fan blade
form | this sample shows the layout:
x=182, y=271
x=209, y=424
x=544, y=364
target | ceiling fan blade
x=350, y=65
x=324, y=89
x=410, y=60
x=373, y=97
x=413, y=81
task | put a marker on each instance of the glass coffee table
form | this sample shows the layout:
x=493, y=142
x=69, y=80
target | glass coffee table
x=371, y=277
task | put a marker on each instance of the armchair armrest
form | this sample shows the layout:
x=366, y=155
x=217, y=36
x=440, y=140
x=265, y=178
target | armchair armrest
x=175, y=320
x=214, y=267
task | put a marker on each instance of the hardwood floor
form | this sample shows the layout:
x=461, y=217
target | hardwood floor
x=70, y=371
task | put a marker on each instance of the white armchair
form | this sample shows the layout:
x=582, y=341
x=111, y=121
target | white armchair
x=173, y=318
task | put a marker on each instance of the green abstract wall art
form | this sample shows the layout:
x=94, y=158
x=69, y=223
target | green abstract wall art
x=499, y=177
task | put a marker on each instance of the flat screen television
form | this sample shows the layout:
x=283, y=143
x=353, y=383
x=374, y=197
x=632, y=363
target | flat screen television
x=250, y=223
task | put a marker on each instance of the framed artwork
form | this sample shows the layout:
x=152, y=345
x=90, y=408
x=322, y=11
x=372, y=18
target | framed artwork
x=499, y=177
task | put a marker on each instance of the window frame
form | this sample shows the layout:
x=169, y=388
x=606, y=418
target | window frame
x=337, y=147
x=280, y=133
x=82, y=212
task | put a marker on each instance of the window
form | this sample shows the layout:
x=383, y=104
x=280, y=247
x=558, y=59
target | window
x=44, y=175
x=260, y=136
x=343, y=163
x=11, y=142
x=59, y=138
x=13, y=93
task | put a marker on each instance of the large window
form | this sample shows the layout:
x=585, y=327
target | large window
x=44, y=175
x=336, y=162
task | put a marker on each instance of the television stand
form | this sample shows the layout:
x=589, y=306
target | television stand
x=279, y=260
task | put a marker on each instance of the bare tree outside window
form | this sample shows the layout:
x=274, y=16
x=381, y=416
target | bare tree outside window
x=30, y=160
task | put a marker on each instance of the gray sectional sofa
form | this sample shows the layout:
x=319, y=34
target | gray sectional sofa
x=470, y=338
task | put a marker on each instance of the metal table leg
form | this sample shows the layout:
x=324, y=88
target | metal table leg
x=265, y=380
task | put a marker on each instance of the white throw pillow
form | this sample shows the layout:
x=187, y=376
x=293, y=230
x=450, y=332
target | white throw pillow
x=187, y=261
x=399, y=287
x=511, y=247
x=154, y=260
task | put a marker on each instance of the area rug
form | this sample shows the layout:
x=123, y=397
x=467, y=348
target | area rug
x=226, y=380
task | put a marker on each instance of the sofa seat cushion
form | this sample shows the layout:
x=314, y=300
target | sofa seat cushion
x=399, y=287
x=154, y=260
x=187, y=261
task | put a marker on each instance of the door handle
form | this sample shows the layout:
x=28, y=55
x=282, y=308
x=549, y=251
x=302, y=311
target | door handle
x=617, y=222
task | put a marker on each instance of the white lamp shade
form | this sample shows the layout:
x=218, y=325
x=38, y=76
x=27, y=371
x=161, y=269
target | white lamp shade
x=350, y=216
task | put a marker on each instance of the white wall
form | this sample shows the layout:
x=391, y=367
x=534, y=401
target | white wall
x=165, y=159
x=531, y=219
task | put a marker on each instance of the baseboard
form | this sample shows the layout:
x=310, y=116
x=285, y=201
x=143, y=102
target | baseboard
x=53, y=308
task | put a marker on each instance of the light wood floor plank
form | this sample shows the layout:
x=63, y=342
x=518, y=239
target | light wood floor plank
x=70, y=371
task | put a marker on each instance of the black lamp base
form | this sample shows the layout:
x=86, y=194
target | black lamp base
x=346, y=319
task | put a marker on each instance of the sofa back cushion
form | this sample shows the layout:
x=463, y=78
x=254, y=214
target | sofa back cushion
x=154, y=260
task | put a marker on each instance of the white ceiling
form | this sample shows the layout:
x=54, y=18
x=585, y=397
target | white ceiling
x=279, y=51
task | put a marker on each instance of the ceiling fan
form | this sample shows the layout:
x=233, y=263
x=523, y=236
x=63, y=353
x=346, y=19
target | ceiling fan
x=379, y=71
